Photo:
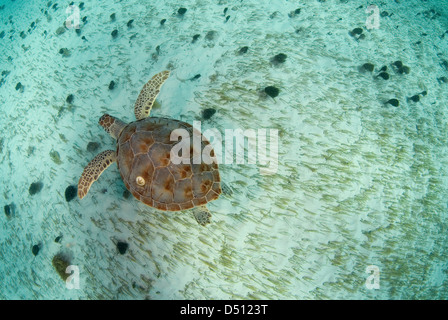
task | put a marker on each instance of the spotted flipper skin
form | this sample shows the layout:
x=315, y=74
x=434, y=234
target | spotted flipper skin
x=112, y=125
x=202, y=215
x=93, y=171
x=148, y=95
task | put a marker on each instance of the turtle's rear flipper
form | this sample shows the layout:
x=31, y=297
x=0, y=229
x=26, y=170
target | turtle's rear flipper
x=93, y=171
x=202, y=215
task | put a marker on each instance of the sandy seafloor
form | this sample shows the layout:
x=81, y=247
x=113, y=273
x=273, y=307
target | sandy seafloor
x=359, y=182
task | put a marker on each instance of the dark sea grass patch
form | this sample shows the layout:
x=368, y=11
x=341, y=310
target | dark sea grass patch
x=211, y=35
x=404, y=70
x=415, y=98
x=35, y=249
x=181, y=11
x=208, y=113
x=112, y=85
x=294, y=13
x=35, y=188
x=444, y=64
x=243, y=50
x=64, y=52
x=400, y=68
x=114, y=33
x=55, y=157
x=397, y=64
x=122, y=247
x=195, y=38
x=431, y=14
x=70, y=193
x=278, y=58
x=355, y=32
x=368, y=67
x=271, y=91
x=60, y=263
x=441, y=80
x=7, y=209
x=126, y=194
x=384, y=75
x=60, y=30
x=92, y=146
x=10, y=210
x=70, y=98
x=393, y=102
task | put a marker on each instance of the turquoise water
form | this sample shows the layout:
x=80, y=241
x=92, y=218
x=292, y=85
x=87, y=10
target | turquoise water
x=359, y=181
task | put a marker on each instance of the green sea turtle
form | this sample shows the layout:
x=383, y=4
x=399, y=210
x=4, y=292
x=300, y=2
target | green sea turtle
x=143, y=158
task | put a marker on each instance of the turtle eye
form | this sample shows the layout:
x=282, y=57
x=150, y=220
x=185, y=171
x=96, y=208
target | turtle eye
x=140, y=181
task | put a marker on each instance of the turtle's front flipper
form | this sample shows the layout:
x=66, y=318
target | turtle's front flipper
x=202, y=215
x=93, y=171
x=148, y=95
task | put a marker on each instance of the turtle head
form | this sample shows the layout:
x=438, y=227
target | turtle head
x=112, y=125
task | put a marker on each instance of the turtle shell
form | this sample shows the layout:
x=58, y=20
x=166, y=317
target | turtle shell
x=143, y=151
